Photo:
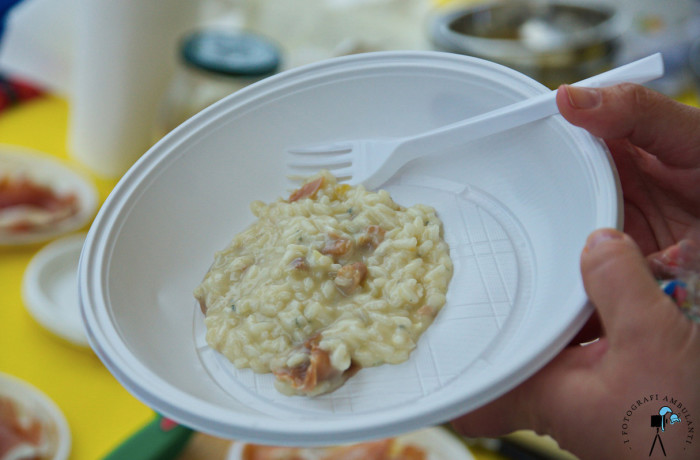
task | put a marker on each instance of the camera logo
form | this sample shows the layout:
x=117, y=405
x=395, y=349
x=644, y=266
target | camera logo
x=672, y=427
x=665, y=417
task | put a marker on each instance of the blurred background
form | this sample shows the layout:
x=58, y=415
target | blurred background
x=94, y=83
x=133, y=71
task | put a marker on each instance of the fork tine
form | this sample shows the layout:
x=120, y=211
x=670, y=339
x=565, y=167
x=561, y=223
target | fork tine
x=329, y=149
x=296, y=179
x=301, y=173
x=342, y=172
x=319, y=161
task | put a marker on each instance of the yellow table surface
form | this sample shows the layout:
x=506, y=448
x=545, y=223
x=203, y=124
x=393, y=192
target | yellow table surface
x=100, y=412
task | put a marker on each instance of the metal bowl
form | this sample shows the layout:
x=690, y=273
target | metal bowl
x=551, y=42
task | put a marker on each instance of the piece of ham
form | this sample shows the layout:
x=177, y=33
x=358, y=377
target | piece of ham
x=307, y=190
x=317, y=368
x=384, y=449
x=19, y=437
x=350, y=277
x=373, y=237
x=300, y=263
x=33, y=205
x=337, y=246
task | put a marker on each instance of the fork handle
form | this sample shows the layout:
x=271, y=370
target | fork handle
x=523, y=112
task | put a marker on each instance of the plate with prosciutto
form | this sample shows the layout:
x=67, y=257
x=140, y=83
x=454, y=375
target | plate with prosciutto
x=40, y=197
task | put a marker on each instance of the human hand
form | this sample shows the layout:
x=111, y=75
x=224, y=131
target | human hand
x=655, y=143
x=596, y=400
x=582, y=397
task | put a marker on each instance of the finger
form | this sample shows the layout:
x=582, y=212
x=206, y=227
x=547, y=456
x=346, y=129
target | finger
x=506, y=414
x=678, y=260
x=665, y=264
x=619, y=282
x=650, y=120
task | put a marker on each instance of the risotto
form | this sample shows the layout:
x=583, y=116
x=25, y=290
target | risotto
x=333, y=279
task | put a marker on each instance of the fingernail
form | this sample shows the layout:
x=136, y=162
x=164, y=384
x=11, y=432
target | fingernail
x=599, y=236
x=583, y=98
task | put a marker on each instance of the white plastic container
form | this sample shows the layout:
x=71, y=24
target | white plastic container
x=124, y=58
x=212, y=64
x=516, y=207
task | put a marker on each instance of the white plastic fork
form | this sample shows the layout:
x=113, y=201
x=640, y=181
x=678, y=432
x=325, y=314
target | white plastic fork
x=372, y=162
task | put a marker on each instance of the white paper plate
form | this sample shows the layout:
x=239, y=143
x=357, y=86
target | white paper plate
x=438, y=444
x=50, y=288
x=516, y=207
x=34, y=402
x=46, y=170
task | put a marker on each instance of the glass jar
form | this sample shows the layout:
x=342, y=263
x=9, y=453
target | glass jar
x=212, y=65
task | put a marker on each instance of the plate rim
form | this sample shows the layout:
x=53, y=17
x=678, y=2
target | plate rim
x=260, y=427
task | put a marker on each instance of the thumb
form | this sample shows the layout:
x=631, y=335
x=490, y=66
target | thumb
x=620, y=284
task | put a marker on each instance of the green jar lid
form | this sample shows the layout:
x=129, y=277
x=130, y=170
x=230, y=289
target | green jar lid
x=233, y=54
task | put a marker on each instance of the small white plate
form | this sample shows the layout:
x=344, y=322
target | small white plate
x=32, y=401
x=438, y=444
x=50, y=288
x=46, y=170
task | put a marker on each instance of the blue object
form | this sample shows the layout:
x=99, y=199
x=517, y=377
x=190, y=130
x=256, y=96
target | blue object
x=670, y=287
x=5, y=7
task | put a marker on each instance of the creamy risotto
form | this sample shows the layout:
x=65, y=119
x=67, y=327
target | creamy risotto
x=333, y=279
